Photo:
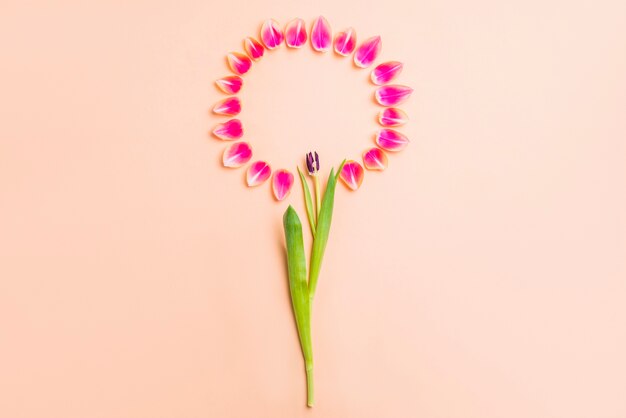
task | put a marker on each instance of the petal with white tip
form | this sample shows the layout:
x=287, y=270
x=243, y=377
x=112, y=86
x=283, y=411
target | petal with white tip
x=352, y=174
x=375, y=159
x=295, y=33
x=391, y=140
x=258, y=173
x=392, y=95
x=282, y=182
x=238, y=62
x=230, y=84
x=229, y=130
x=321, y=35
x=229, y=107
x=367, y=52
x=392, y=116
x=271, y=34
x=237, y=155
x=386, y=72
x=253, y=48
x=345, y=42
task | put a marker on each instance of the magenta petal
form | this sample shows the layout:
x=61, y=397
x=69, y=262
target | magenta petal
x=391, y=140
x=345, y=42
x=375, y=159
x=321, y=35
x=392, y=116
x=352, y=174
x=237, y=155
x=258, y=172
x=295, y=33
x=253, y=48
x=282, y=183
x=392, y=95
x=230, y=84
x=271, y=34
x=385, y=72
x=230, y=107
x=238, y=62
x=229, y=130
x=366, y=54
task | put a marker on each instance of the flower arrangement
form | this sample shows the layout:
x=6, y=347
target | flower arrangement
x=319, y=206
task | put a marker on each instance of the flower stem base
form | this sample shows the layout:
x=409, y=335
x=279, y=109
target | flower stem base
x=310, y=399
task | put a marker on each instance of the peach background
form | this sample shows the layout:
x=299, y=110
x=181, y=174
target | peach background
x=483, y=275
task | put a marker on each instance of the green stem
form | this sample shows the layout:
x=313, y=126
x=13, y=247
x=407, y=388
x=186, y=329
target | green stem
x=310, y=398
x=318, y=196
x=298, y=288
x=310, y=212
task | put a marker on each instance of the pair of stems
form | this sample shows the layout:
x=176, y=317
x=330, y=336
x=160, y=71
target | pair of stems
x=302, y=290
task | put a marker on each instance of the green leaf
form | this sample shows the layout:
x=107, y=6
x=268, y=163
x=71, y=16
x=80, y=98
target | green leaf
x=339, y=170
x=308, y=202
x=322, y=229
x=296, y=265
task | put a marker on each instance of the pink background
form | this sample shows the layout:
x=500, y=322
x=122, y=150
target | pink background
x=483, y=275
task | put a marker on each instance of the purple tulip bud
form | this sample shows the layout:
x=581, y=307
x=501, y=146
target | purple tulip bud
x=312, y=163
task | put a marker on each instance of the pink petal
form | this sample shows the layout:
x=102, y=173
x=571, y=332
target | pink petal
x=271, y=35
x=321, y=35
x=392, y=116
x=230, y=84
x=375, y=159
x=253, y=48
x=237, y=155
x=239, y=62
x=366, y=54
x=258, y=172
x=345, y=42
x=393, y=94
x=282, y=183
x=229, y=130
x=391, y=140
x=295, y=33
x=352, y=174
x=385, y=72
x=230, y=107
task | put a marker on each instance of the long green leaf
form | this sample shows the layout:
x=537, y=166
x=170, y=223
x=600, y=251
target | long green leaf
x=322, y=229
x=308, y=202
x=339, y=170
x=296, y=265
